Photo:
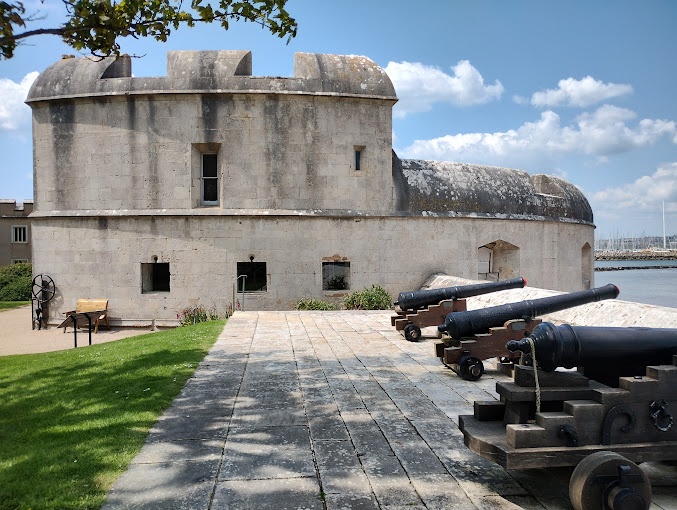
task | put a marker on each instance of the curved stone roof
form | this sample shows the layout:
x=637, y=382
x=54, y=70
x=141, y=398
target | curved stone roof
x=464, y=189
x=213, y=72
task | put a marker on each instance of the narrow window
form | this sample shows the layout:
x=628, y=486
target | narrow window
x=254, y=276
x=19, y=261
x=587, y=266
x=19, y=234
x=359, y=160
x=209, y=179
x=155, y=277
x=335, y=275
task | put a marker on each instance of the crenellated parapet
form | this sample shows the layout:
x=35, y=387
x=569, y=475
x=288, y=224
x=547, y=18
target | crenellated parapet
x=214, y=72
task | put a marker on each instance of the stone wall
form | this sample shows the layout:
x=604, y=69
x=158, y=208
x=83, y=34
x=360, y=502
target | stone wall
x=102, y=257
x=274, y=152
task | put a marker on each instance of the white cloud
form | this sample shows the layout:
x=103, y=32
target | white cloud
x=582, y=93
x=13, y=112
x=419, y=86
x=609, y=130
x=644, y=194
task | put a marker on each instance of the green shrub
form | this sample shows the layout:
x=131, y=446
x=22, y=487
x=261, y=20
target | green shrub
x=16, y=282
x=313, y=304
x=375, y=298
x=18, y=290
x=195, y=314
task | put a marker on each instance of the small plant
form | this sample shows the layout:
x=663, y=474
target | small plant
x=337, y=282
x=212, y=314
x=375, y=298
x=229, y=312
x=195, y=314
x=313, y=304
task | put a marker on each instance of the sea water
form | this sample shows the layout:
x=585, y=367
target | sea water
x=650, y=286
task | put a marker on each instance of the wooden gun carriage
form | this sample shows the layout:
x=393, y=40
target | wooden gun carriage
x=569, y=419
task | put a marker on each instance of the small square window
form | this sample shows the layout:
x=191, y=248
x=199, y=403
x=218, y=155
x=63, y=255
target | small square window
x=19, y=234
x=209, y=179
x=335, y=275
x=155, y=277
x=256, y=277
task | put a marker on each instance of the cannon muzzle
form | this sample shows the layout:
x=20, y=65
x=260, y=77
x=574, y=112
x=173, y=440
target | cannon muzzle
x=427, y=297
x=463, y=324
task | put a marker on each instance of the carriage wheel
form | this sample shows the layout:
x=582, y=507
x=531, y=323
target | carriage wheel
x=607, y=480
x=470, y=368
x=412, y=332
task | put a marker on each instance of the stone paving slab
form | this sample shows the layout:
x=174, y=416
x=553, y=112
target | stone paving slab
x=330, y=410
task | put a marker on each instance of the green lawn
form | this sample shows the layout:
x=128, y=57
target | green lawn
x=71, y=421
x=4, y=305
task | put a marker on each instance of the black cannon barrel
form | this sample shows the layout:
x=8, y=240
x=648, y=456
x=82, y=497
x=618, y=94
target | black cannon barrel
x=606, y=349
x=427, y=297
x=462, y=324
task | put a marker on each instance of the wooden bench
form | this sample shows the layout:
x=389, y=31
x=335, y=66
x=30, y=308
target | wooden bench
x=92, y=305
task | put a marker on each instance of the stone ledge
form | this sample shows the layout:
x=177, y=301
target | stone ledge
x=320, y=213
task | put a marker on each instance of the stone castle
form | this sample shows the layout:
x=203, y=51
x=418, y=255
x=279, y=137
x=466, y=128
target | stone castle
x=159, y=193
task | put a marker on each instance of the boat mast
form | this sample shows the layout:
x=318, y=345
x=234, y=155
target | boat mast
x=664, y=245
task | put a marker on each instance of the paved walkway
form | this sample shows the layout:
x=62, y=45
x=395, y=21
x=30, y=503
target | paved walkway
x=329, y=410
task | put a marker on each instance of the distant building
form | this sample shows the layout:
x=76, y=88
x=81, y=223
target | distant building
x=157, y=193
x=15, y=232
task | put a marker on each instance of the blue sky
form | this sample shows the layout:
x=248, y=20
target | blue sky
x=584, y=90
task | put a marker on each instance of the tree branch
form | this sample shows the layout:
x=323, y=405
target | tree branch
x=64, y=31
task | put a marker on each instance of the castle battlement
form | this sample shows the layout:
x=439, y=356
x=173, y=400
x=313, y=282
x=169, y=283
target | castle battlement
x=214, y=72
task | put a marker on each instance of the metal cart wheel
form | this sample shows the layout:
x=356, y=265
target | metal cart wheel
x=412, y=332
x=470, y=368
x=609, y=481
x=43, y=288
x=42, y=291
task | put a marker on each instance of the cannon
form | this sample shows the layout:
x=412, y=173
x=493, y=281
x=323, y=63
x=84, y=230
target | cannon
x=463, y=324
x=602, y=354
x=549, y=418
x=429, y=307
x=481, y=334
x=421, y=298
